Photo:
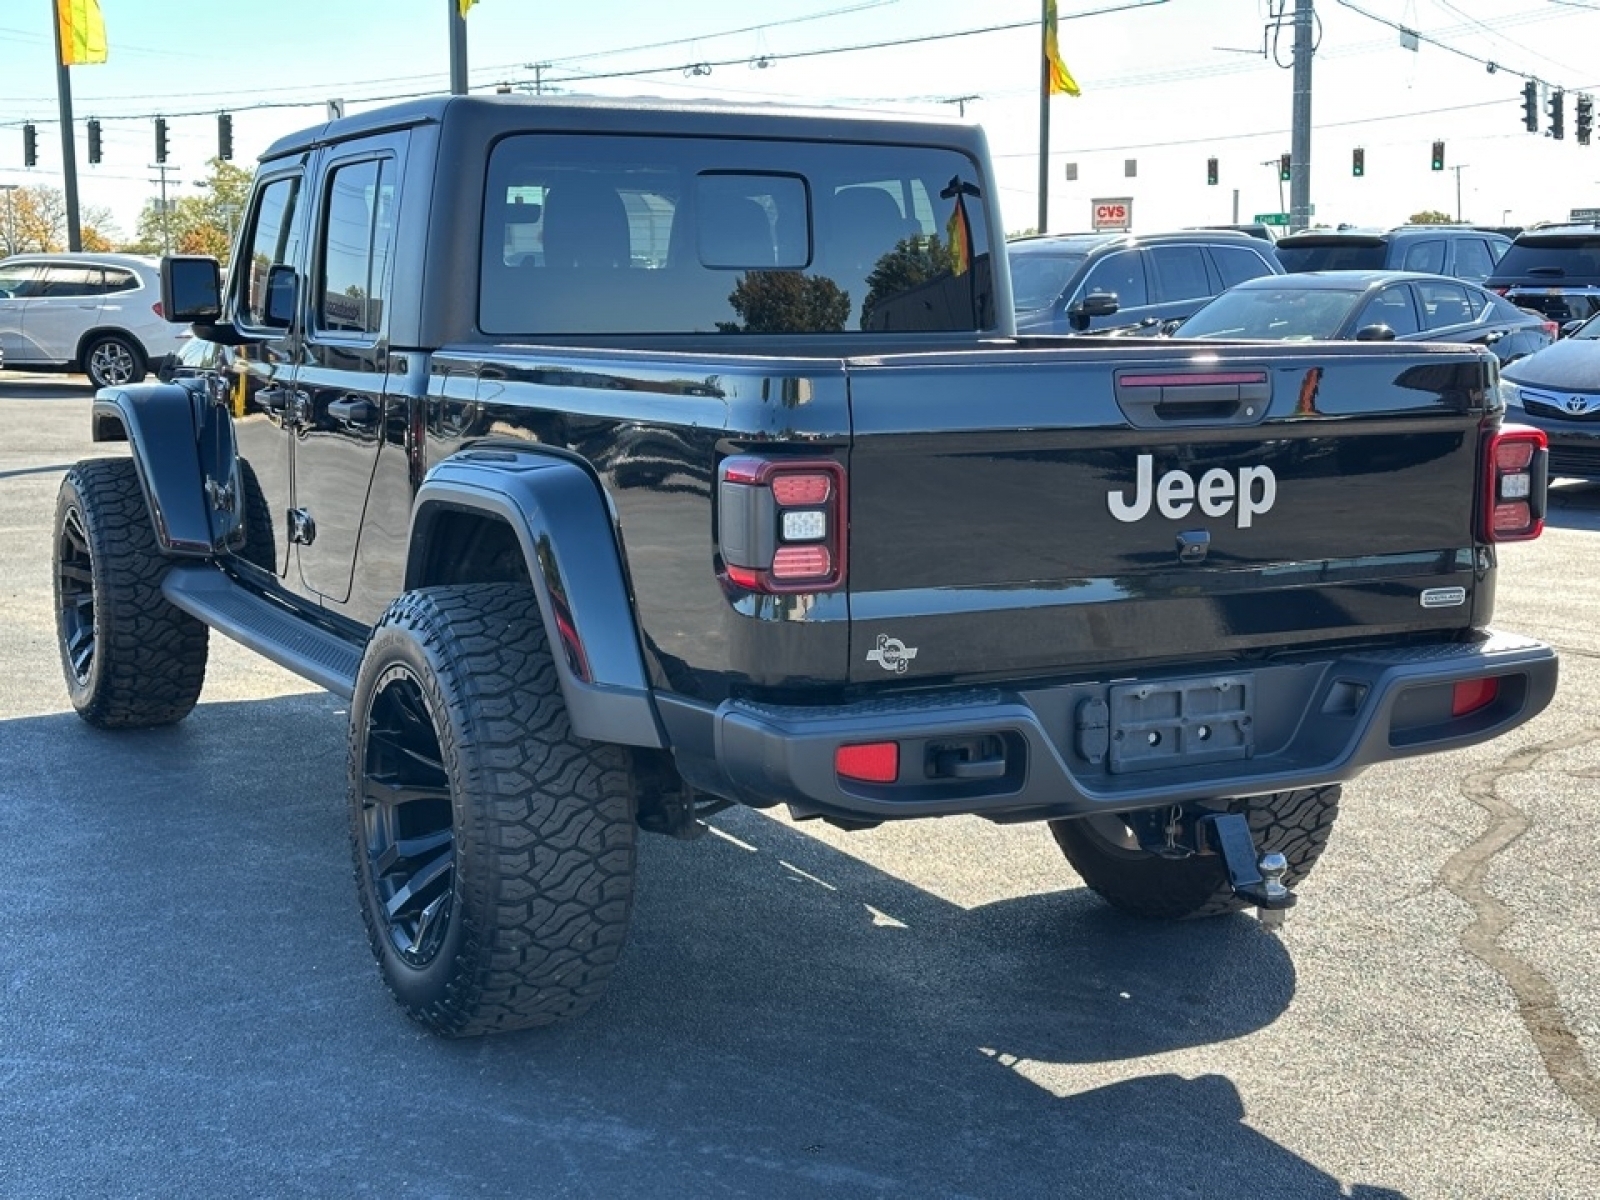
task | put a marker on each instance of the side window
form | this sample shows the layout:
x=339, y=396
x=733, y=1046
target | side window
x=1473, y=260
x=1443, y=305
x=1122, y=274
x=120, y=281
x=353, y=257
x=1235, y=264
x=271, y=240
x=18, y=282
x=1391, y=307
x=1180, y=273
x=64, y=282
x=1424, y=256
x=751, y=222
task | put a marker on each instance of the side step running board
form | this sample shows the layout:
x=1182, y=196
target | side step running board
x=271, y=630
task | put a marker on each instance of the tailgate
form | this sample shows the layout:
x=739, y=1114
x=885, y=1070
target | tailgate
x=1040, y=511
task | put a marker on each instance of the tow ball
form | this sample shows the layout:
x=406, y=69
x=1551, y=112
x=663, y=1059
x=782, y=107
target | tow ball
x=1260, y=882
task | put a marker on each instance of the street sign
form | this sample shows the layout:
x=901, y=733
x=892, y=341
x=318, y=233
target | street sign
x=1115, y=213
x=1271, y=218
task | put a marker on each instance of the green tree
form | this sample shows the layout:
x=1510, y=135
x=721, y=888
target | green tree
x=787, y=302
x=913, y=262
x=1430, y=216
x=202, y=224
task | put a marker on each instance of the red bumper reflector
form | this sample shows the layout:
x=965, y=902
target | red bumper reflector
x=1512, y=518
x=875, y=762
x=1472, y=694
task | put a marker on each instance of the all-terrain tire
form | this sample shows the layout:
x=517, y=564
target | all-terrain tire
x=494, y=850
x=131, y=659
x=1294, y=824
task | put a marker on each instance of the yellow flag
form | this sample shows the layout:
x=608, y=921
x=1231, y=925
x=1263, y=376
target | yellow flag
x=1061, y=79
x=466, y=4
x=83, y=32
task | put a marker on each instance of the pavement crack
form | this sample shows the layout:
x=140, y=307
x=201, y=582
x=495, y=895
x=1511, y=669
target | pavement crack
x=1538, y=1004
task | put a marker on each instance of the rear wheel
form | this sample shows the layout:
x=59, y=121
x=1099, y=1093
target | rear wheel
x=112, y=360
x=131, y=659
x=494, y=850
x=1105, y=852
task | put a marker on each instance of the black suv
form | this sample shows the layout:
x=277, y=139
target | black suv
x=1070, y=283
x=1554, y=270
x=1456, y=250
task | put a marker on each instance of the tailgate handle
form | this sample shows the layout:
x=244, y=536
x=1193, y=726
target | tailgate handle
x=1151, y=399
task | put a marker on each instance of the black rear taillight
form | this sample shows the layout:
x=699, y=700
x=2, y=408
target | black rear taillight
x=1516, y=469
x=781, y=523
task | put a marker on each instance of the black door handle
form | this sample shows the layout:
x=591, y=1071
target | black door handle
x=352, y=409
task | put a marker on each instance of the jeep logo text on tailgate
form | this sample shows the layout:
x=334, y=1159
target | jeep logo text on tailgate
x=1176, y=494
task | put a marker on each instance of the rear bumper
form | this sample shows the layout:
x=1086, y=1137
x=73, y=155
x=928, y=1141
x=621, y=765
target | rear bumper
x=1311, y=721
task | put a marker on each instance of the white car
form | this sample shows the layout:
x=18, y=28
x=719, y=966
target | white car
x=95, y=313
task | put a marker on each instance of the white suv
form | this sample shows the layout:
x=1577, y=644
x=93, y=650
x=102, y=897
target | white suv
x=95, y=313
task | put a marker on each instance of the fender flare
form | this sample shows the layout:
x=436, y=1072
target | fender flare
x=161, y=423
x=560, y=518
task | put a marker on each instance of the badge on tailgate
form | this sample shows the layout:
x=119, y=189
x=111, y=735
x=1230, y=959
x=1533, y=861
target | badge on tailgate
x=1182, y=722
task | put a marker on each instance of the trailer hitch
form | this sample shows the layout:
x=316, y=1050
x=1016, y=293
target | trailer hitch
x=1260, y=882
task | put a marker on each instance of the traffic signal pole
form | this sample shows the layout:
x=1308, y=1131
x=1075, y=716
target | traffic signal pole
x=1300, y=145
x=69, y=153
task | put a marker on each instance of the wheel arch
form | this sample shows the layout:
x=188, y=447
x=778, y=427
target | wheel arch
x=160, y=424
x=100, y=331
x=515, y=516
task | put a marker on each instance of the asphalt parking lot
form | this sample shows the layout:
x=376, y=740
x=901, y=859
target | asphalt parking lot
x=935, y=1009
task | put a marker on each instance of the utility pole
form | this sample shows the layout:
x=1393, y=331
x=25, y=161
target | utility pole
x=166, y=222
x=69, y=154
x=11, y=219
x=1044, y=123
x=458, y=49
x=1300, y=145
x=961, y=103
x=1458, y=168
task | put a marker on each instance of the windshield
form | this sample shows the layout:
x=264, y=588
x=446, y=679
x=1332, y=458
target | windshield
x=1341, y=256
x=1589, y=330
x=1276, y=313
x=1037, y=280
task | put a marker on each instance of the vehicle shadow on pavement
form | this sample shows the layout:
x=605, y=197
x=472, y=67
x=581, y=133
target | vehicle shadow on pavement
x=191, y=1009
x=1573, y=504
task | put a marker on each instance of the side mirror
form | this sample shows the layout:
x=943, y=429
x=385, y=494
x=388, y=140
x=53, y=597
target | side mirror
x=1374, y=333
x=1095, y=304
x=191, y=288
x=281, y=289
x=1572, y=327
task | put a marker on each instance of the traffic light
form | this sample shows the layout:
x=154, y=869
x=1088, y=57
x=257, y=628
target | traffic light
x=94, y=140
x=1558, y=114
x=224, y=136
x=1530, y=106
x=1211, y=171
x=161, y=139
x=30, y=145
x=1438, y=156
x=1285, y=167
x=1585, y=121
x=1358, y=162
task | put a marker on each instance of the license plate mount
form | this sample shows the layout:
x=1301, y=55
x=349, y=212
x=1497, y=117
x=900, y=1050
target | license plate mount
x=1159, y=724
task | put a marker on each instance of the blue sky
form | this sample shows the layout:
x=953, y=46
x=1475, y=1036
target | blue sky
x=1168, y=84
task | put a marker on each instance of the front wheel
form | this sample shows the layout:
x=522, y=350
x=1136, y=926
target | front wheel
x=1104, y=851
x=494, y=850
x=112, y=360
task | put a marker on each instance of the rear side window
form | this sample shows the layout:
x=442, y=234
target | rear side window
x=587, y=235
x=1424, y=256
x=120, y=281
x=1553, y=258
x=1235, y=264
x=1443, y=305
x=64, y=282
x=1473, y=260
x=356, y=232
x=1180, y=273
x=1335, y=256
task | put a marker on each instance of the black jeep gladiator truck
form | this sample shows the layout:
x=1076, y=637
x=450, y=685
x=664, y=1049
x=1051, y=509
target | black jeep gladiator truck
x=621, y=462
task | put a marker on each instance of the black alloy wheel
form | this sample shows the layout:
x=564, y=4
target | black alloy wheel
x=408, y=828
x=75, y=595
